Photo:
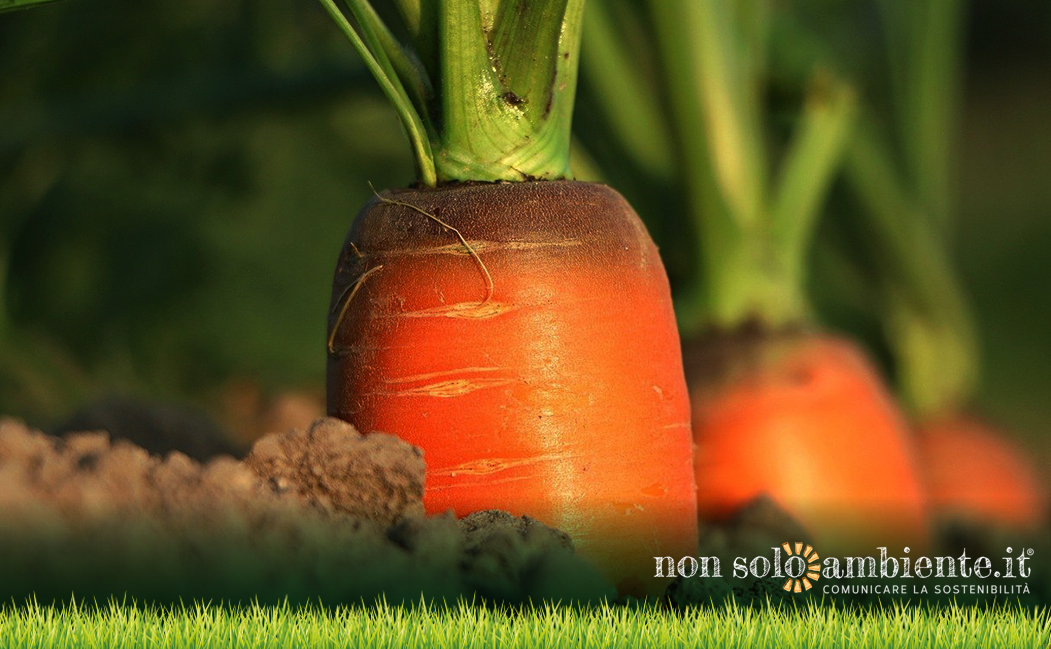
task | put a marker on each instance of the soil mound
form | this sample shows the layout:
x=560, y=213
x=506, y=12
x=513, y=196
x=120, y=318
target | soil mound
x=325, y=514
x=336, y=469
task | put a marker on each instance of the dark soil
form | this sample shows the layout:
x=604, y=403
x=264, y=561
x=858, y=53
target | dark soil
x=323, y=514
x=159, y=428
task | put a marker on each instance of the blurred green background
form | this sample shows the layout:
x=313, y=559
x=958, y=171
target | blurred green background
x=176, y=180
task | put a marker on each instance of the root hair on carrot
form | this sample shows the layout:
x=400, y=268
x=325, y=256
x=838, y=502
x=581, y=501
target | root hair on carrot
x=489, y=286
x=344, y=302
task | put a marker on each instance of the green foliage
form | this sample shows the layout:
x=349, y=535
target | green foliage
x=176, y=179
x=899, y=167
x=751, y=202
x=486, y=93
x=462, y=625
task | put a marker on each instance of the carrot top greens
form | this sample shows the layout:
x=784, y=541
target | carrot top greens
x=484, y=88
x=751, y=207
x=901, y=173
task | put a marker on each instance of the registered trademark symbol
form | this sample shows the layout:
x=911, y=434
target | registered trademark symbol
x=996, y=574
x=1029, y=551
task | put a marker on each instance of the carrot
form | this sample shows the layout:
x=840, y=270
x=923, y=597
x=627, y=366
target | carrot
x=540, y=374
x=779, y=408
x=516, y=326
x=805, y=419
x=975, y=475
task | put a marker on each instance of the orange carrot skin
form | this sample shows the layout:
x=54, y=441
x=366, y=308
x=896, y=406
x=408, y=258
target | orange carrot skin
x=976, y=475
x=807, y=421
x=554, y=389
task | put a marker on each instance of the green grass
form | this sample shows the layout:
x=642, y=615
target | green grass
x=549, y=626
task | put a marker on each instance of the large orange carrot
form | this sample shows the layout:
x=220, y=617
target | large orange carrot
x=514, y=325
x=523, y=336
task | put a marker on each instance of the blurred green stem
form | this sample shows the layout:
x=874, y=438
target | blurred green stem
x=929, y=321
x=753, y=234
x=924, y=38
x=629, y=99
x=909, y=206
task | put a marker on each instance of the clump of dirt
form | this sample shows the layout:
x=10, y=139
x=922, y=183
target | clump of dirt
x=324, y=515
x=507, y=555
x=335, y=468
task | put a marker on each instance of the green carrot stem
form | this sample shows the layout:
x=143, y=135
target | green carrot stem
x=809, y=168
x=375, y=59
x=629, y=99
x=924, y=38
x=909, y=207
x=753, y=234
x=507, y=96
x=929, y=320
x=487, y=91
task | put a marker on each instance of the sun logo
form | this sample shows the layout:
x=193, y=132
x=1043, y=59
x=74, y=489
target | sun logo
x=801, y=566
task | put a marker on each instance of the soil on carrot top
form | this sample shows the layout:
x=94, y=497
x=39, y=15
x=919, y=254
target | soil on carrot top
x=720, y=356
x=322, y=514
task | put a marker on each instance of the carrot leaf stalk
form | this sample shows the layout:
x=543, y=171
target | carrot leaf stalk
x=904, y=186
x=929, y=320
x=486, y=90
x=630, y=97
x=923, y=39
x=753, y=229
